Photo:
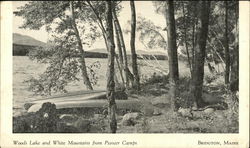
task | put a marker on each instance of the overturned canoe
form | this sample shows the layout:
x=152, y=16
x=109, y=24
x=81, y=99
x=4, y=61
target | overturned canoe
x=88, y=99
x=121, y=104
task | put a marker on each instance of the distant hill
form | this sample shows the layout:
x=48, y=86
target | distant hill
x=22, y=44
x=151, y=52
x=20, y=39
x=140, y=52
x=160, y=55
x=98, y=50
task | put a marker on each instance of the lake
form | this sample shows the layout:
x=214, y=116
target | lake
x=24, y=69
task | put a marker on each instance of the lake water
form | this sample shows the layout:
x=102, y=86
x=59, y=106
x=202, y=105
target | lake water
x=24, y=69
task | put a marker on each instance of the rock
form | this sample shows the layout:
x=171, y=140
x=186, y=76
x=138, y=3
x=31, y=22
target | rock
x=209, y=110
x=118, y=118
x=130, y=119
x=63, y=128
x=237, y=94
x=157, y=111
x=198, y=114
x=219, y=115
x=83, y=125
x=98, y=116
x=68, y=118
x=147, y=110
x=160, y=101
x=194, y=107
x=185, y=112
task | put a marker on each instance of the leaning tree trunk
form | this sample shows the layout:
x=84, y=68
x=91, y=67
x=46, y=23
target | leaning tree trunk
x=136, y=83
x=111, y=70
x=172, y=52
x=82, y=57
x=199, y=55
x=119, y=46
x=227, y=56
x=119, y=31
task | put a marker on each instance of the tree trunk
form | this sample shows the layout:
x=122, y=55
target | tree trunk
x=234, y=76
x=120, y=35
x=119, y=48
x=172, y=48
x=193, y=46
x=110, y=72
x=136, y=83
x=82, y=58
x=227, y=56
x=200, y=51
x=185, y=38
x=120, y=68
x=172, y=52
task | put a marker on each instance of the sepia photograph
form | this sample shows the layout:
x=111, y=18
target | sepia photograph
x=126, y=67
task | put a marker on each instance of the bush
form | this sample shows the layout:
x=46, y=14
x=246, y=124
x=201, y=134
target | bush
x=43, y=121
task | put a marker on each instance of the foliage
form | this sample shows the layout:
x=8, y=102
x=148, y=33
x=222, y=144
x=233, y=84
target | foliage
x=62, y=55
x=150, y=35
x=186, y=18
x=43, y=121
x=63, y=66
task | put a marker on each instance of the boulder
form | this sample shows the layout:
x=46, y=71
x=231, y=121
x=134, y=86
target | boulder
x=161, y=101
x=68, y=118
x=185, y=112
x=130, y=118
x=209, y=110
x=83, y=125
x=157, y=112
x=98, y=116
x=147, y=109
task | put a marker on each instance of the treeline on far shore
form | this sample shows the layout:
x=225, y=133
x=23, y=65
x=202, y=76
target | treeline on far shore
x=23, y=50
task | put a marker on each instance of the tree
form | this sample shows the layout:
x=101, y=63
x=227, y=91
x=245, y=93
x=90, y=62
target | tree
x=186, y=38
x=123, y=47
x=110, y=72
x=234, y=75
x=200, y=52
x=172, y=51
x=53, y=16
x=96, y=8
x=227, y=56
x=136, y=83
x=82, y=58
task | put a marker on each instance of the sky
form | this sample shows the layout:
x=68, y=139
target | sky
x=143, y=8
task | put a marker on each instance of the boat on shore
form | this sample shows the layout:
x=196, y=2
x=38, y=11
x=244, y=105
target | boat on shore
x=83, y=99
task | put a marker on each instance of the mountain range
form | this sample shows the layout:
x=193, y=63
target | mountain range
x=24, y=41
x=20, y=39
x=139, y=52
